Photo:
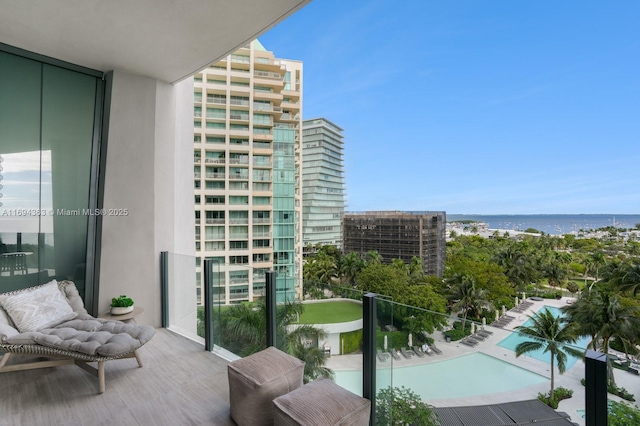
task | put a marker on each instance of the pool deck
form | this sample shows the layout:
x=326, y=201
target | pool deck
x=570, y=379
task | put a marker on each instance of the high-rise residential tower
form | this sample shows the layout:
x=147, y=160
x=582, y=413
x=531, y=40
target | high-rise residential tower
x=323, y=198
x=247, y=124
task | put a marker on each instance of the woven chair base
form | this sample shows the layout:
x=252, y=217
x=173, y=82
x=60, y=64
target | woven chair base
x=59, y=358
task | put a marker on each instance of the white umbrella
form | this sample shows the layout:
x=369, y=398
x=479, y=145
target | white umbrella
x=517, y=301
x=484, y=321
x=497, y=315
x=385, y=342
x=473, y=328
x=410, y=340
x=523, y=297
x=504, y=310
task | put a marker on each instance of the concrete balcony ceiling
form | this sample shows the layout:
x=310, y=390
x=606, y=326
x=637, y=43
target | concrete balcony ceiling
x=165, y=39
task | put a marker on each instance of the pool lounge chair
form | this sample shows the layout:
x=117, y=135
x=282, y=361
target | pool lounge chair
x=483, y=334
x=435, y=349
x=407, y=353
x=418, y=351
x=478, y=337
x=504, y=320
x=383, y=356
x=469, y=342
x=473, y=339
x=395, y=354
x=425, y=349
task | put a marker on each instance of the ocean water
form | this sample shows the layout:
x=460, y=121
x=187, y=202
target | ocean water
x=554, y=224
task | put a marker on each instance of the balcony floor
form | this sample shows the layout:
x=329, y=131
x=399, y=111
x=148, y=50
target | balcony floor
x=180, y=384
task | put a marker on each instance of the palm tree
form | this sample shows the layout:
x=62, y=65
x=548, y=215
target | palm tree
x=350, y=266
x=399, y=265
x=243, y=330
x=466, y=297
x=517, y=265
x=597, y=260
x=314, y=288
x=415, y=267
x=321, y=267
x=588, y=264
x=552, y=334
x=373, y=257
x=565, y=258
x=600, y=315
x=627, y=277
x=555, y=273
x=313, y=358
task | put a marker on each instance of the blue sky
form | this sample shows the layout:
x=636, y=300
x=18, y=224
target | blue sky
x=479, y=107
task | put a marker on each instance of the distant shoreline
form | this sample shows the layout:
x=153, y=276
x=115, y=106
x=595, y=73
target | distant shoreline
x=552, y=224
x=544, y=214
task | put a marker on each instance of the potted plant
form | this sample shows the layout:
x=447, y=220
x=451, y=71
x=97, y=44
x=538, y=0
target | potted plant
x=121, y=305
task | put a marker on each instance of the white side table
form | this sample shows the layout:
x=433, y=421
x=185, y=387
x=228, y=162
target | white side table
x=130, y=317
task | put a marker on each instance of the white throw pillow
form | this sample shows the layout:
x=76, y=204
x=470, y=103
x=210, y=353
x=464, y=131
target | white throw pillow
x=41, y=307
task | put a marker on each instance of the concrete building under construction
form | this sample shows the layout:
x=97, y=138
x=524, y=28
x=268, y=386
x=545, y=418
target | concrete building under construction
x=398, y=235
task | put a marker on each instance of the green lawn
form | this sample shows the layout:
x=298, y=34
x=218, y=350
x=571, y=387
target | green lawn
x=330, y=312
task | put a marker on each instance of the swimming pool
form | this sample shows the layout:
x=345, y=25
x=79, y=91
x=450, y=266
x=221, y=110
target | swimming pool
x=467, y=375
x=511, y=342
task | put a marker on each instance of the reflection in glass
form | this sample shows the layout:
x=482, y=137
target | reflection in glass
x=47, y=126
x=24, y=217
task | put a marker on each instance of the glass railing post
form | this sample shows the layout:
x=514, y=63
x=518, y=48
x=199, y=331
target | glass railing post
x=270, y=284
x=208, y=304
x=164, y=287
x=369, y=329
x=596, y=388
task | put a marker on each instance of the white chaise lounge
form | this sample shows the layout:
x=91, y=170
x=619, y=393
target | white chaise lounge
x=50, y=321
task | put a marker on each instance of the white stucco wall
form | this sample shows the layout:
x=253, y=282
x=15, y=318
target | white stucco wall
x=149, y=172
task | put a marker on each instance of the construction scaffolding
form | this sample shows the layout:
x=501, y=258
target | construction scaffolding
x=398, y=235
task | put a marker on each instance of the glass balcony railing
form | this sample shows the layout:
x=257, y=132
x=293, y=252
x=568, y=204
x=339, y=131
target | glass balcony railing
x=416, y=366
x=235, y=307
x=434, y=364
x=439, y=361
x=180, y=281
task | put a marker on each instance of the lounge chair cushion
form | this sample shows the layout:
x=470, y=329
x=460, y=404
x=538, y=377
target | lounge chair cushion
x=91, y=337
x=321, y=402
x=5, y=318
x=7, y=331
x=37, y=307
x=74, y=299
x=80, y=332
